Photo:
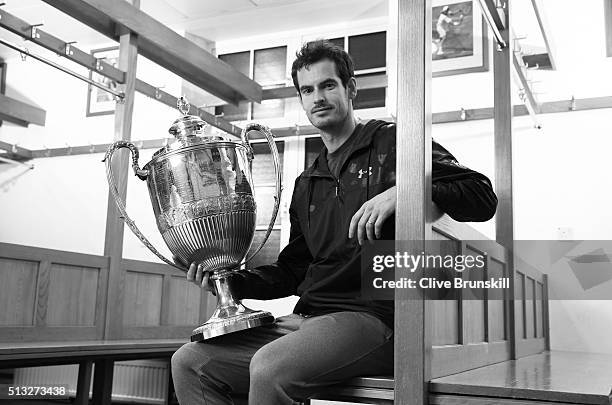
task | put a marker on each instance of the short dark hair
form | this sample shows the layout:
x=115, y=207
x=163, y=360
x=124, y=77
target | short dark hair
x=318, y=50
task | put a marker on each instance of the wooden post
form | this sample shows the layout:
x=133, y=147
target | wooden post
x=83, y=383
x=103, y=382
x=413, y=217
x=502, y=113
x=608, y=26
x=113, y=243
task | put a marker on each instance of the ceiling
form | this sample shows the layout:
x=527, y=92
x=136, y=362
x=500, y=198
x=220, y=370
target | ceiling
x=229, y=19
x=211, y=19
x=575, y=28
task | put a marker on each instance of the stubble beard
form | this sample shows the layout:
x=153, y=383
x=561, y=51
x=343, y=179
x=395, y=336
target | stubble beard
x=329, y=124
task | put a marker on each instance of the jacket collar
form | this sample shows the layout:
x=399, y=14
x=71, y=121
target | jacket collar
x=365, y=135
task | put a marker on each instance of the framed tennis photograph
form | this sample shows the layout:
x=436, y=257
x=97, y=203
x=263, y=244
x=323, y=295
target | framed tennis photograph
x=459, y=38
x=100, y=102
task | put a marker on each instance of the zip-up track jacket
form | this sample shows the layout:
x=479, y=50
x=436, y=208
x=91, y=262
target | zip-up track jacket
x=320, y=264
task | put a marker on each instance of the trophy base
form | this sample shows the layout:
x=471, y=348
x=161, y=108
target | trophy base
x=217, y=326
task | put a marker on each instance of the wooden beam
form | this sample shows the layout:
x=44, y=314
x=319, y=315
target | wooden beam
x=16, y=150
x=494, y=20
x=52, y=43
x=538, y=8
x=165, y=47
x=502, y=112
x=530, y=100
x=608, y=26
x=20, y=113
x=170, y=100
x=24, y=29
x=413, y=216
x=475, y=114
x=539, y=60
x=113, y=241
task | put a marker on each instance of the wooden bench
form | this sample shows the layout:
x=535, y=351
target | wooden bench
x=548, y=378
x=87, y=353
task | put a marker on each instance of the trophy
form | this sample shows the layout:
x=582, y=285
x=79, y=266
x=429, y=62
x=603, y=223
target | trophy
x=201, y=189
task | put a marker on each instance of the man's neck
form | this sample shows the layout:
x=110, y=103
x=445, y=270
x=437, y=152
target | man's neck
x=333, y=138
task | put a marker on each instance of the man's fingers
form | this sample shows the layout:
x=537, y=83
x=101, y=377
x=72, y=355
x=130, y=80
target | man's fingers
x=199, y=274
x=355, y=221
x=378, y=226
x=361, y=228
x=205, y=279
x=370, y=227
x=191, y=272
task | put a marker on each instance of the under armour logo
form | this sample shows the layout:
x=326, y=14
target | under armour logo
x=362, y=172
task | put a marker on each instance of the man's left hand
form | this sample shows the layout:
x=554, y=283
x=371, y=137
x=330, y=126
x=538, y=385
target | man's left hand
x=368, y=220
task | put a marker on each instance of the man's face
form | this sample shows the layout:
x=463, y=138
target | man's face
x=325, y=100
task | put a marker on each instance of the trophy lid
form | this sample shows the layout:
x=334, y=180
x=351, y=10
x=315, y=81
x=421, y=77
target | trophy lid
x=188, y=125
x=190, y=130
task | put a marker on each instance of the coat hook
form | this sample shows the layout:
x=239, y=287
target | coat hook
x=24, y=54
x=463, y=114
x=34, y=34
x=572, y=104
x=67, y=48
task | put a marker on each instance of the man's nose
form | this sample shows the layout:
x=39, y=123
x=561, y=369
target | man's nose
x=318, y=96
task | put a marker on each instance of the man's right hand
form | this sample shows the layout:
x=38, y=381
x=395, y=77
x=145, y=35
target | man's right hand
x=197, y=275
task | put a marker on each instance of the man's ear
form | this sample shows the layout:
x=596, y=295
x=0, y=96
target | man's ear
x=352, y=88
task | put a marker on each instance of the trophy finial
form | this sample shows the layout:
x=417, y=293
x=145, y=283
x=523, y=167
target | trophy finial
x=183, y=105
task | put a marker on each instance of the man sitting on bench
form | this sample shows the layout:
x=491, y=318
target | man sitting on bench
x=346, y=196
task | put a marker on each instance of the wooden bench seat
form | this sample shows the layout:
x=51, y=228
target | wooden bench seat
x=559, y=378
x=102, y=353
x=370, y=390
x=548, y=378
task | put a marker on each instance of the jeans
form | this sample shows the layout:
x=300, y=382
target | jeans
x=282, y=363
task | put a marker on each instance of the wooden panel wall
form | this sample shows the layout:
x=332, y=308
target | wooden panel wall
x=474, y=330
x=51, y=295
x=531, y=310
x=159, y=302
x=17, y=291
x=72, y=292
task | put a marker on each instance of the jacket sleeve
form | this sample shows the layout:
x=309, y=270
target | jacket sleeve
x=465, y=195
x=279, y=279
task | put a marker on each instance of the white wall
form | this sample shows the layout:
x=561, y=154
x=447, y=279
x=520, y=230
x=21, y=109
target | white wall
x=561, y=180
x=61, y=204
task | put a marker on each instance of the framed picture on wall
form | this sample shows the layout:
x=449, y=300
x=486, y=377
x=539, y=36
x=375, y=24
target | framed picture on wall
x=100, y=102
x=459, y=38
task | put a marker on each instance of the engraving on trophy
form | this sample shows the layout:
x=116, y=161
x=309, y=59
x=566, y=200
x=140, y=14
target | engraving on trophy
x=206, y=207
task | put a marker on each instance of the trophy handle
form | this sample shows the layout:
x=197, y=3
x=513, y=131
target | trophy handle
x=277, y=171
x=112, y=185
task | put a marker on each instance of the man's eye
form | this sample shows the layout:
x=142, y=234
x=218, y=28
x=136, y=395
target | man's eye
x=306, y=91
x=330, y=85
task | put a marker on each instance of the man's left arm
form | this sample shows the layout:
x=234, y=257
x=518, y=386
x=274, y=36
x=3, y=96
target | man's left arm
x=464, y=194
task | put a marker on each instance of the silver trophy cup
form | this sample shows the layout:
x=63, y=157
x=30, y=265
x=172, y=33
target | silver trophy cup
x=201, y=189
